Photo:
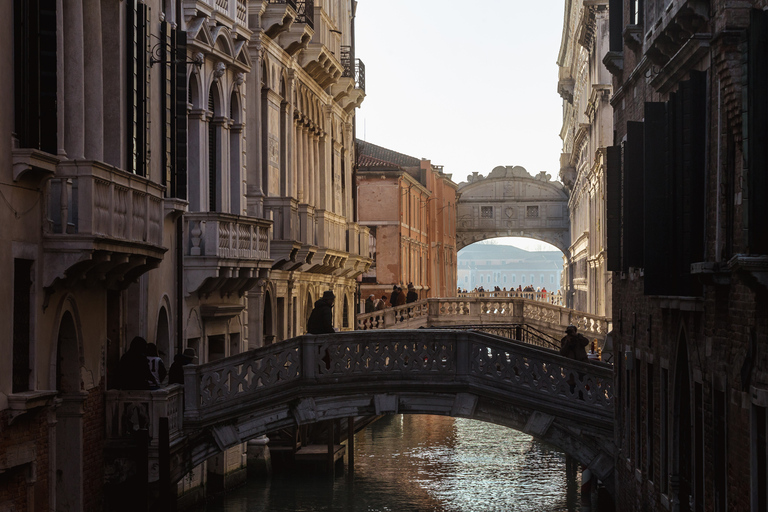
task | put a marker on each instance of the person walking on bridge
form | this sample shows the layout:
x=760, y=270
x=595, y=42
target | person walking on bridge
x=321, y=319
x=573, y=344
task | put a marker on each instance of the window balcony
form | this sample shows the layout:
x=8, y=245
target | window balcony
x=278, y=17
x=232, y=14
x=224, y=252
x=349, y=91
x=300, y=33
x=102, y=225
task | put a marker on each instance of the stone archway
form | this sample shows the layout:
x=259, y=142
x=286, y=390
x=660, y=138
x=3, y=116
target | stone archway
x=511, y=202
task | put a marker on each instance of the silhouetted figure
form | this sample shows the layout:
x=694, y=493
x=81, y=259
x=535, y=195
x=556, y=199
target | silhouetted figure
x=176, y=373
x=156, y=365
x=412, y=295
x=134, y=367
x=321, y=319
x=369, y=304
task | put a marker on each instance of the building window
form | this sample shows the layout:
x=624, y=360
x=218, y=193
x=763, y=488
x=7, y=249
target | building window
x=514, y=278
x=22, y=294
x=541, y=279
x=663, y=428
x=759, y=459
x=650, y=417
x=522, y=278
x=551, y=279
x=504, y=279
x=486, y=212
x=532, y=212
x=720, y=435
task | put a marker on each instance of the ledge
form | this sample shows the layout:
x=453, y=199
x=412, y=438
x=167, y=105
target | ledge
x=711, y=272
x=614, y=62
x=682, y=62
x=754, y=268
x=29, y=163
x=22, y=403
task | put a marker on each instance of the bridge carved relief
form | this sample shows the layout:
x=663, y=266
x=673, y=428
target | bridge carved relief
x=316, y=378
x=511, y=202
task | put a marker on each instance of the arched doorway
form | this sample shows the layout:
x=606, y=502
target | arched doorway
x=69, y=416
x=268, y=331
x=682, y=435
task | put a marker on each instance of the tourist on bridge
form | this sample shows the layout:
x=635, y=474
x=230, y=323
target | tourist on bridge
x=400, y=297
x=393, y=296
x=412, y=295
x=321, y=319
x=134, y=368
x=381, y=303
x=156, y=366
x=176, y=373
x=369, y=304
x=573, y=345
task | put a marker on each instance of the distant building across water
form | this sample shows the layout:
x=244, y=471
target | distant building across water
x=508, y=267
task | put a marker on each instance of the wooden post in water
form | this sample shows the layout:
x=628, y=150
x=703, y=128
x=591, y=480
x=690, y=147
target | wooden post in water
x=331, y=448
x=351, y=443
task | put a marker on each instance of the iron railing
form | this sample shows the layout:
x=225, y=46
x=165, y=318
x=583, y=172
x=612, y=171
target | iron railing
x=291, y=3
x=518, y=332
x=305, y=12
x=353, y=68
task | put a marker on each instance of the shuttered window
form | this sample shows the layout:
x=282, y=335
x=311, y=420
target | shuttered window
x=674, y=185
x=632, y=205
x=755, y=122
x=34, y=70
x=179, y=147
x=616, y=23
x=136, y=31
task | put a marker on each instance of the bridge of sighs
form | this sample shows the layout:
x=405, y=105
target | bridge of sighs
x=311, y=378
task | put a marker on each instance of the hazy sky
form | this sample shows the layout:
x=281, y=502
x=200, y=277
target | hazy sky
x=467, y=85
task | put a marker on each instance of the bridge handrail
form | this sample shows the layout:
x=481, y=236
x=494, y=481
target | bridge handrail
x=436, y=359
x=555, y=299
x=484, y=309
x=518, y=332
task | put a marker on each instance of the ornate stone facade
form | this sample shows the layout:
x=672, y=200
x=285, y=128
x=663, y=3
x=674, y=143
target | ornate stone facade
x=585, y=86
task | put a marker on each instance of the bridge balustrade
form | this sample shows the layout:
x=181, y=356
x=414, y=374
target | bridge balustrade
x=485, y=309
x=437, y=361
x=556, y=299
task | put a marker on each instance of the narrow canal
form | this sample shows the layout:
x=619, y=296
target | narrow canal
x=407, y=463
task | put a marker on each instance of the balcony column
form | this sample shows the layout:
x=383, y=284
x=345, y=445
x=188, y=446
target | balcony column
x=93, y=85
x=298, y=162
x=74, y=76
x=319, y=181
x=348, y=159
x=306, y=166
x=254, y=191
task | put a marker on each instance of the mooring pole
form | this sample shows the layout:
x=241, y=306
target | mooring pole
x=331, y=448
x=351, y=443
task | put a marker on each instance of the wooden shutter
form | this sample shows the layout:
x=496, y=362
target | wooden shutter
x=136, y=31
x=755, y=122
x=167, y=77
x=213, y=151
x=616, y=25
x=632, y=214
x=613, y=207
x=179, y=146
x=657, y=230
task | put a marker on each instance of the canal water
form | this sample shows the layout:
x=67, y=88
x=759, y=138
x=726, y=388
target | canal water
x=406, y=463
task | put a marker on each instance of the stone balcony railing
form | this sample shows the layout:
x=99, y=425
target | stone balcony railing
x=443, y=312
x=231, y=12
x=555, y=299
x=101, y=216
x=330, y=230
x=129, y=411
x=220, y=246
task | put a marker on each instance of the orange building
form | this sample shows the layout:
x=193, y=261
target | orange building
x=409, y=205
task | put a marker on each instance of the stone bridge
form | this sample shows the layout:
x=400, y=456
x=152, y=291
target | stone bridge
x=481, y=308
x=308, y=379
x=511, y=202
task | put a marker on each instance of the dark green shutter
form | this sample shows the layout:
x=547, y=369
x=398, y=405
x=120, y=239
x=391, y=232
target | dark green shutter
x=755, y=124
x=167, y=77
x=657, y=200
x=136, y=25
x=632, y=215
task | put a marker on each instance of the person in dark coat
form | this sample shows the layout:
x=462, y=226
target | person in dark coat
x=133, y=368
x=412, y=295
x=394, y=295
x=369, y=304
x=400, y=297
x=321, y=319
x=573, y=344
x=382, y=303
x=176, y=373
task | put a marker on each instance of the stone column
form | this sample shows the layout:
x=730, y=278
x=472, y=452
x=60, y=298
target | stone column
x=299, y=162
x=93, y=85
x=74, y=78
x=254, y=191
x=319, y=185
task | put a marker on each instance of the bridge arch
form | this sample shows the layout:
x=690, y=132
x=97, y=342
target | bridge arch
x=511, y=202
x=309, y=379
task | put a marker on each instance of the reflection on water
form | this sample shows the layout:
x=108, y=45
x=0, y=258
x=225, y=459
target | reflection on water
x=423, y=463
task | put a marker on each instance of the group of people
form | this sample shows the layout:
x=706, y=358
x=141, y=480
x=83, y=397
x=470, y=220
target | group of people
x=141, y=367
x=396, y=298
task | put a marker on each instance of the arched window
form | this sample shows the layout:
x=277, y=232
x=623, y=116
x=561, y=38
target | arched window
x=514, y=278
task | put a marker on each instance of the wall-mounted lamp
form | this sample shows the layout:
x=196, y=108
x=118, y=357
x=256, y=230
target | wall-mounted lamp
x=161, y=49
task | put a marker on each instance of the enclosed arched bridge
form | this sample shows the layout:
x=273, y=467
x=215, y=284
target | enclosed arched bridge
x=308, y=379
